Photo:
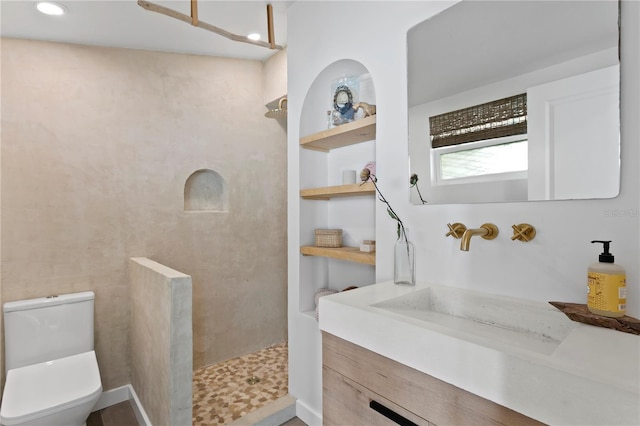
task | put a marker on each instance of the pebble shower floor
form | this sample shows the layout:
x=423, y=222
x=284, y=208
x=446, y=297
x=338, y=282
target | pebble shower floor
x=226, y=391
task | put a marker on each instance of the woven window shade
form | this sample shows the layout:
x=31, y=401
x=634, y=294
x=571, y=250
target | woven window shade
x=496, y=119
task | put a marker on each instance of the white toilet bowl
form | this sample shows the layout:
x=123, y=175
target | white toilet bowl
x=61, y=392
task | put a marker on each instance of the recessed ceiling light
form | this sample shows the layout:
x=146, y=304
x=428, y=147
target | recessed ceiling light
x=49, y=8
x=254, y=36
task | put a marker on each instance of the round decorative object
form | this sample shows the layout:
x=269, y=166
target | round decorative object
x=371, y=165
x=319, y=294
x=343, y=104
x=323, y=292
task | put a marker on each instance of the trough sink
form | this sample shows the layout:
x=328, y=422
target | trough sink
x=525, y=355
x=489, y=320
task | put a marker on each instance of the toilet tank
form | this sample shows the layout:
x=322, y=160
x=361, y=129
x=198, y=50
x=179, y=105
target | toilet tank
x=47, y=328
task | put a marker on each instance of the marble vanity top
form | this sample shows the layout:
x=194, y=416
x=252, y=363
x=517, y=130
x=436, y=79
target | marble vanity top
x=525, y=355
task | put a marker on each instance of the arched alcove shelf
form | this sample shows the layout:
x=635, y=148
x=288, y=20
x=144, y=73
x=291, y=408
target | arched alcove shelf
x=319, y=97
x=205, y=191
x=325, y=151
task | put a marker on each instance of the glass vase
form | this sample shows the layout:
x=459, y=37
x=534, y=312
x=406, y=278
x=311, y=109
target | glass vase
x=404, y=265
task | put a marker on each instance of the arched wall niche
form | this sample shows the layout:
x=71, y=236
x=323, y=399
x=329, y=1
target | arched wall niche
x=321, y=169
x=319, y=97
x=206, y=191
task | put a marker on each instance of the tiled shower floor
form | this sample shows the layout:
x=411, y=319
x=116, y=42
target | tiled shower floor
x=221, y=393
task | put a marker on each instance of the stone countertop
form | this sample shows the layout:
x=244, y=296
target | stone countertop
x=589, y=375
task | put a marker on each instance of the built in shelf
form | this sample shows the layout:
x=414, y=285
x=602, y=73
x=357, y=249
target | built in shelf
x=346, y=134
x=328, y=192
x=350, y=254
x=310, y=314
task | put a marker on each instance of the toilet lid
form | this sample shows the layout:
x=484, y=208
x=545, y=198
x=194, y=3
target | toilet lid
x=36, y=390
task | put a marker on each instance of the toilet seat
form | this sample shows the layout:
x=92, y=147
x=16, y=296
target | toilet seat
x=37, y=390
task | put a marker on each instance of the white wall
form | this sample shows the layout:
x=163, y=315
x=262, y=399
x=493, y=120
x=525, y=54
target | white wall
x=552, y=267
x=575, y=115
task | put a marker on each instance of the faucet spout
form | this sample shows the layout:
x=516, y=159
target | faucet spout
x=488, y=231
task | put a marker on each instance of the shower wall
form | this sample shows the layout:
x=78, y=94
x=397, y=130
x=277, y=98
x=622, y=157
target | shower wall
x=161, y=319
x=97, y=144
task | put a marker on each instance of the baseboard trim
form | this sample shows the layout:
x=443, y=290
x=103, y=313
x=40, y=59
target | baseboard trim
x=121, y=394
x=307, y=415
x=113, y=397
x=138, y=409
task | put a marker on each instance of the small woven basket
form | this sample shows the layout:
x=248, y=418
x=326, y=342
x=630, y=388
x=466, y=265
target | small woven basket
x=329, y=238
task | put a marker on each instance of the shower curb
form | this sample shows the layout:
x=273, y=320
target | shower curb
x=274, y=414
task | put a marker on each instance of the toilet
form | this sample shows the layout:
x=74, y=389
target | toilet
x=52, y=371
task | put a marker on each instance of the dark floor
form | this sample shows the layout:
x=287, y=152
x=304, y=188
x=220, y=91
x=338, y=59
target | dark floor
x=293, y=422
x=116, y=415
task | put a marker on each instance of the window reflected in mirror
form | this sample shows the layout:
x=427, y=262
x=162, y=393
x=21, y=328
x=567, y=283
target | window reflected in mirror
x=476, y=53
x=498, y=158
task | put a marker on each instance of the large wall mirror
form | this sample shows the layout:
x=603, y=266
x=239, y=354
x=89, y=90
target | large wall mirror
x=515, y=101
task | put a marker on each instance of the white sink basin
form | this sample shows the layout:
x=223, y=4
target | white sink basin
x=525, y=355
x=485, y=319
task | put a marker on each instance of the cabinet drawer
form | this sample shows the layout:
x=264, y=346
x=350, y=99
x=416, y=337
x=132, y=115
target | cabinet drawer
x=346, y=402
x=427, y=397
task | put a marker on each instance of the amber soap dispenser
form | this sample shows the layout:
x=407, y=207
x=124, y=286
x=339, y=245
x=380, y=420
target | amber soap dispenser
x=607, y=285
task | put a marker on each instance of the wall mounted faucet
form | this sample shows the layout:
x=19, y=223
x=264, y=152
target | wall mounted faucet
x=488, y=231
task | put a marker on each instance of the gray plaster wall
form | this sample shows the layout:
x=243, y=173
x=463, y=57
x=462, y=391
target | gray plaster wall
x=161, y=341
x=97, y=145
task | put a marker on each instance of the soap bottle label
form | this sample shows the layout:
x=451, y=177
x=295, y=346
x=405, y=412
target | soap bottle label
x=607, y=292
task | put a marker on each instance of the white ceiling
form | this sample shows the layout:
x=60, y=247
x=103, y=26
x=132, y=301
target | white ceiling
x=123, y=23
x=476, y=43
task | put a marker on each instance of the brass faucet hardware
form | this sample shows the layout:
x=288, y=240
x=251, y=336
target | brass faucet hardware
x=456, y=230
x=523, y=232
x=488, y=231
x=493, y=231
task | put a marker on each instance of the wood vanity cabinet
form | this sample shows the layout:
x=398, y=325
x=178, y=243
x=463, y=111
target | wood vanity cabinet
x=361, y=387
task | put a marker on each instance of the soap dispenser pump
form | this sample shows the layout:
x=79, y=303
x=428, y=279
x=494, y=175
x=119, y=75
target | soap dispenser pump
x=607, y=285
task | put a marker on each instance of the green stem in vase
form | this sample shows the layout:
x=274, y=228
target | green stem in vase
x=365, y=176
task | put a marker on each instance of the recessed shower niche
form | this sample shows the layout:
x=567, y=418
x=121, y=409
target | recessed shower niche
x=205, y=191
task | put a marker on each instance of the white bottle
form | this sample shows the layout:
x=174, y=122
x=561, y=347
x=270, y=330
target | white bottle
x=607, y=286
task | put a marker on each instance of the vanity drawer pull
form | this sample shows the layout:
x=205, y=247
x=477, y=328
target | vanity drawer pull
x=390, y=414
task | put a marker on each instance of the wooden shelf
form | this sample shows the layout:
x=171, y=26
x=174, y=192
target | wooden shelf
x=328, y=192
x=346, y=134
x=350, y=254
